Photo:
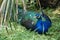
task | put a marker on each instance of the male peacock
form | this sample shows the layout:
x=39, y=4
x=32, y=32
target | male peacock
x=40, y=24
x=35, y=21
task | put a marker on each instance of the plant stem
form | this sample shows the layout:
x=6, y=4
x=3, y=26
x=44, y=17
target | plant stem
x=8, y=2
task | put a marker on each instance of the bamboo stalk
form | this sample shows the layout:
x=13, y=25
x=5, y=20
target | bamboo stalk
x=11, y=9
x=17, y=10
x=1, y=11
x=39, y=5
x=8, y=2
x=24, y=5
x=2, y=5
x=10, y=12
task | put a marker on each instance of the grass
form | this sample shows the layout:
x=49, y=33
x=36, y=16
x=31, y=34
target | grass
x=18, y=32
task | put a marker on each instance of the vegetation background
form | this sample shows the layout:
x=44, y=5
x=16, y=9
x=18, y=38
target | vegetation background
x=14, y=31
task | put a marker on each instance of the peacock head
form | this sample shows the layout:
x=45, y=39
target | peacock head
x=38, y=16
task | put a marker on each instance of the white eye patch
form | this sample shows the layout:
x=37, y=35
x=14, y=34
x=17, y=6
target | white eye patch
x=32, y=22
x=38, y=16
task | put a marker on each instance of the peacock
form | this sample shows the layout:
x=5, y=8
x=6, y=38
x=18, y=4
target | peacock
x=35, y=21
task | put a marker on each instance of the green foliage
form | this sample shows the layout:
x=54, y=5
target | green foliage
x=18, y=32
